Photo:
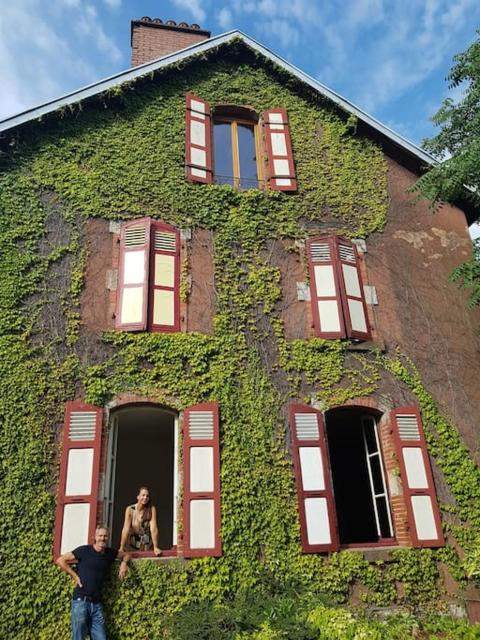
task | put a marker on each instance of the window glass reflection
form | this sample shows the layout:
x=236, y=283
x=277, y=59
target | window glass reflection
x=247, y=156
x=222, y=148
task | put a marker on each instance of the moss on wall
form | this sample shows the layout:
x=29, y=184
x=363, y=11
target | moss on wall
x=124, y=159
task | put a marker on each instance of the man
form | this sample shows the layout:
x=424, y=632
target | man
x=93, y=562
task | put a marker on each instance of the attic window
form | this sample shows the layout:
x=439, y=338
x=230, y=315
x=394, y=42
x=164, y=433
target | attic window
x=230, y=147
x=236, y=151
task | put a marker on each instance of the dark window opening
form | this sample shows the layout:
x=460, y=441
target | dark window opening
x=235, y=150
x=142, y=450
x=361, y=500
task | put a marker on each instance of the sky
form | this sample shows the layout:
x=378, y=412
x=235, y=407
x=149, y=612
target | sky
x=389, y=57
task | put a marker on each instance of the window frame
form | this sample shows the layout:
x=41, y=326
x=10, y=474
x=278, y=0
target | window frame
x=103, y=468
x=340, y=296
x=149, y=286
x=234, y=120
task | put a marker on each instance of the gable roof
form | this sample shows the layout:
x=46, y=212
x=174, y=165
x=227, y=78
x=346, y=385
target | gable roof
x=131, y=74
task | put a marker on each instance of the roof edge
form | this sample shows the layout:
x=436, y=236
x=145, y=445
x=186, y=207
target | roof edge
x=128, y=75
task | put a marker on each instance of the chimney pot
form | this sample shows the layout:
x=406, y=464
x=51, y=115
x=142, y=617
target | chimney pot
x=152, y=39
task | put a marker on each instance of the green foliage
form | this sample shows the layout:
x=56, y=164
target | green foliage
x=127, y=161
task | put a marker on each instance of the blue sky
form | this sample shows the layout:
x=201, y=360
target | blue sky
x=389, y=57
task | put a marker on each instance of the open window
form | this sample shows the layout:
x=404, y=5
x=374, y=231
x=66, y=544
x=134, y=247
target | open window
x=229, y=145
x=338, y=299
x=148, y=294
x=341, y=483
x=359, y=486
x=142, y=449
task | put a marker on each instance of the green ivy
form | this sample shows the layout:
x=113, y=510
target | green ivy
x=121, y=157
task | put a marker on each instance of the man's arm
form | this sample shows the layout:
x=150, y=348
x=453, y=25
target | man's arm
x=64, y=563
x=124, y=557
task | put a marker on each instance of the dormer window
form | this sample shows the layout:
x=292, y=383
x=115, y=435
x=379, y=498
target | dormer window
x=234, y=146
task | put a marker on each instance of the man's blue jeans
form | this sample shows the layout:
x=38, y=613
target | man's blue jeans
x=87, y=618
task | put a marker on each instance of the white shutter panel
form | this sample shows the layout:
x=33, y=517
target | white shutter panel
x=201, y=458
x=314, y=488
x=198, y=152
x=417, y=478
x=132, y=294
x=79, y=475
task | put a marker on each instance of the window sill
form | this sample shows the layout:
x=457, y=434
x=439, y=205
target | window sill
x=167, y=554
x=368, y=345
x=374, y=552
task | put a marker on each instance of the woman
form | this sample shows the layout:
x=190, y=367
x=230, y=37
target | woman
x=140, y=531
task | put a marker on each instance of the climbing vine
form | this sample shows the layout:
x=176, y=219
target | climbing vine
x=122, y=157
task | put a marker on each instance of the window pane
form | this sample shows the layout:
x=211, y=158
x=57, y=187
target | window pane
x=248, y=156
x=369, y=430
x=378, y=486
x=385, y=531
x=222, y=148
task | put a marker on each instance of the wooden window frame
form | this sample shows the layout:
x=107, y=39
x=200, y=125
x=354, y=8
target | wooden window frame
x=409, y=493
x=234, y=121
x=346, y=330
x=147, y=323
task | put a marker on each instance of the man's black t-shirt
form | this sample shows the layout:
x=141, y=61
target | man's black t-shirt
x=91, y=568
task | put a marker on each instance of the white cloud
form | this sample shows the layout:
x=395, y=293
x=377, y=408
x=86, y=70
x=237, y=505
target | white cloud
x=287, y=34
x=224, y=18
x=113, y=4
x=193, y=6
x=39, y=44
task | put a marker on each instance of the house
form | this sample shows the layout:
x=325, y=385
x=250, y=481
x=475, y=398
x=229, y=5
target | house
x=217, y=282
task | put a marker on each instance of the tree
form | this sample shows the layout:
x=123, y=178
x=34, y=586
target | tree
x=457, y=146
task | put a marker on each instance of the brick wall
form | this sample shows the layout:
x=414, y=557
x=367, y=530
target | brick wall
x=152, y=39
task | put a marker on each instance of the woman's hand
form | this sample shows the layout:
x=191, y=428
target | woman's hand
x=157, y=551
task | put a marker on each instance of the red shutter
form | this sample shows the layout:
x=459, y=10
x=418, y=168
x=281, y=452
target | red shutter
x=325, y=288
x=351, y=286
x=164, y=278
x=76, y=514
x=417, y=478
x=201, y=472
x=314, y=488
x=198, y=130
x=281, y=168
x=132, y=292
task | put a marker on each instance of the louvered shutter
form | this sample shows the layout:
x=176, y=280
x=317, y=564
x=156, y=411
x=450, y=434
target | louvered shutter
x=325, y=288
x=132, y=293
x=76, y=512
x=314, y=486
x=281, y=168
x=201, y=496
x=353, y=296
x=198, y=151
x=417, y=478
x=165, y=278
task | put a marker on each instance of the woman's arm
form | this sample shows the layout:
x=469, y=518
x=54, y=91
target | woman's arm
x=124, y=557
x=154, y=531
x=127, y=523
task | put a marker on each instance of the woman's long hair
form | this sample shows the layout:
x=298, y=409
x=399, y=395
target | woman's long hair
x=147, y=510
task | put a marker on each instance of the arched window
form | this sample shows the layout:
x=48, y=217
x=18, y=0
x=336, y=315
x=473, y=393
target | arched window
x=232, y=144
x=341, y=482
x=143, y=450
x=237, y=148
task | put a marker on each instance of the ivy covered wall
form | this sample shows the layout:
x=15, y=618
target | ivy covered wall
x=122, y=156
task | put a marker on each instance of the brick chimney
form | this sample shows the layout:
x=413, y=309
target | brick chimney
x=152, y=39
